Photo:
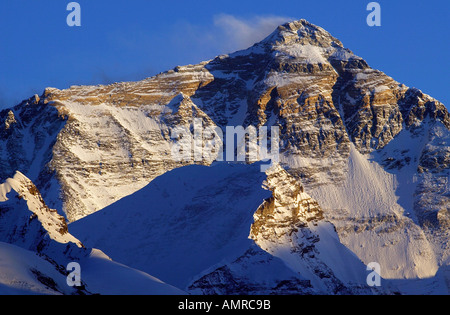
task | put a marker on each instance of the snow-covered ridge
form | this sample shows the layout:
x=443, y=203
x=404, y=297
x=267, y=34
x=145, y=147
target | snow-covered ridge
x=51, y=222
x=37, y=249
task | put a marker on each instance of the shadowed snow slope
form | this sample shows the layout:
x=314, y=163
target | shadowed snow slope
x=180, y=224
x=191, y=228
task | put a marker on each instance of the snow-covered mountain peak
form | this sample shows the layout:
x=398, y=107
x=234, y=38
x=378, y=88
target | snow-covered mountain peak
x=302, y=32
x=93, y=148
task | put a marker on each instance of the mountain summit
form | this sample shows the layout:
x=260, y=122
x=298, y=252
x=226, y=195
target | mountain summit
x=373, y=154
x=301, y=32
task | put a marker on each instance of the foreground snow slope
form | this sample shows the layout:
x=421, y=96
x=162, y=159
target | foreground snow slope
x=104, y=276
x=25, y=272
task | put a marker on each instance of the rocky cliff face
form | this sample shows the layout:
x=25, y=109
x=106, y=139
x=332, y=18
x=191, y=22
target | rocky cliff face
x=291, y=225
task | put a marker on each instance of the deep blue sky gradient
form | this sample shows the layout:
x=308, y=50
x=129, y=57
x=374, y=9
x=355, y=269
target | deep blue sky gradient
x=135, y=39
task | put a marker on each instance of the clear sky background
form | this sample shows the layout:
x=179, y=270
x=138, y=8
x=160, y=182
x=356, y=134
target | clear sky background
x=130, y=40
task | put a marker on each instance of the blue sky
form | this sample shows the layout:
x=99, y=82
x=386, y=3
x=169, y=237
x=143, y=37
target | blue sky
x=135, y=39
